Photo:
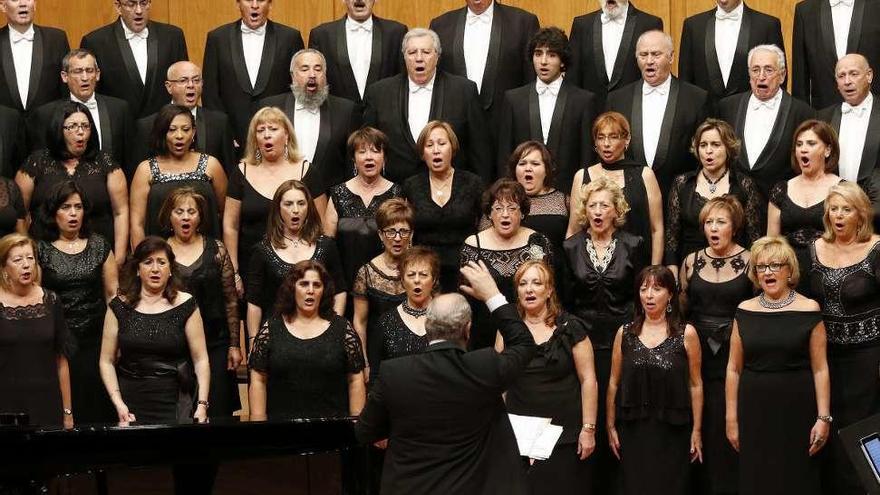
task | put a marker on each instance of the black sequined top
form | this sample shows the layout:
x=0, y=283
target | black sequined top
x=397, y=339
x=383, y=293
x=162, y=184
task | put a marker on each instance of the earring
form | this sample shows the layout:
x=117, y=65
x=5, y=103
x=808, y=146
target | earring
x=668, y=308
x=286, y=152
x=258, y=156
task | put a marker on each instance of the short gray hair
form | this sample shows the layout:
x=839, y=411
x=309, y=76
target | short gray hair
x=780, y=55
x=666, y=39
x=77, y=53
x=418, y=33
x=305, y=51
x=448, y=316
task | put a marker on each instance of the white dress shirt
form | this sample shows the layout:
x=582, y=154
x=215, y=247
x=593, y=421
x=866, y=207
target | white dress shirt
x=654, y=99
x=612, y=34
x=727, y=25
x=547, y=94
x=853, y=130
x=22, y=55
x=252, y=46
x=477, y=31
x=92, y=105
x=760, y=118
x=841, y=17
x=359, y=38
x=307, y=124
x=138, y=44
x=419, y=109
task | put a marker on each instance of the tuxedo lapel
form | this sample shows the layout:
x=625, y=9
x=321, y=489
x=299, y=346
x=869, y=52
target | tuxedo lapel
x=36, y=67
x=487, y=88
x=437, y=96
x=743, y=42
x=554, y=135
x=666, y=125
x=458, y=64
x=267, y=60
x=826, y=26
x=152, y=60
x=202, y=130
x=239, y=65
x=403, y=102
x=535, y=130
x=325, y=129
x=740, y=128
x=855, y=27
x=636, y=144
x=776, y=133
x=623, y=52
x=106, y=124
x=342, y=56
x=9, y=65
x=128, y=58
x=290, y=107
x=872, y=141
x=598, y=52
x=716, y=79
x=375, y=54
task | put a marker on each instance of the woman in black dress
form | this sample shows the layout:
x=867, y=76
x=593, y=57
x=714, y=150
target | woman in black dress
x=206, y=272
x=611, y=134
x=293, y=234
x=34, y=376
x=13, y=215
x=351, y=209
x=174, y=163
x=559, y=383
x=80, y=268
x=714, y=280
x=716, y=146
x=306, y=361
x=446, y=200
x=778, y=391
x=796, y=205
x=845, y=279
x=154, y=362
x=73, y=153
x=655, y=395
x=377, y=285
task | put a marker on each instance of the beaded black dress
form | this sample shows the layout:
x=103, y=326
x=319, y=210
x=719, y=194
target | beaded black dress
x=162, y=184
x=777, y=403
x=850, y=301
x=654, y=420
x=502, y=264
x=156, y=376
x=397, y=339
x=211, y=281
x=31, y=338
x=78, y=280
x=307, y=378
x=383, y=293
x=11, y=206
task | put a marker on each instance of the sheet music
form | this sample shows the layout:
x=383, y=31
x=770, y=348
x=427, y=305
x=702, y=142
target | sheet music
x=535, y=437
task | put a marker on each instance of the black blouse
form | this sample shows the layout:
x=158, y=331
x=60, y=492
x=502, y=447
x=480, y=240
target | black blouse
x=11, y=206
x=397, y=339
x=638, y=220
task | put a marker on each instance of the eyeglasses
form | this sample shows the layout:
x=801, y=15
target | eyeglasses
x=184, y=81
x=507, y=208
x=608, y=137
x=392, y=233
x=83, y=70
x=766, y=70
x=774, y=267
x=131, y=5
x=84, y=126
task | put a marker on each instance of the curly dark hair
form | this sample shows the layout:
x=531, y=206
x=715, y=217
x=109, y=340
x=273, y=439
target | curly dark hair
x=661, y=277
x=46, y=227
x=555, y=40
x=158, y=142
x=55, y=142
x=285, y=303
x=130, y=282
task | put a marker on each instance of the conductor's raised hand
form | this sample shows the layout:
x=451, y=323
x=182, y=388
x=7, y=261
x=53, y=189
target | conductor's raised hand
x=480, y=284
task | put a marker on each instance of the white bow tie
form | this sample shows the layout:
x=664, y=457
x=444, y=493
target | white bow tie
x=769, y=104
x=16, y=36
x=474, y=18
x=92, y=104
x=543, y=88
x=848, y=3
x=858, y=111
x=660, y=90
x=419, y=89
x=142, y=35
x=727, y=16
x=605, y=18
x=360, y=27
x=260, y=31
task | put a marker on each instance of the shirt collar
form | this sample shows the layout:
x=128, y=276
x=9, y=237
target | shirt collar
x=486, y=16
x=27, y=35
x=541, y=87
x=837, y=3
x=735, y=14
x=260, y=31
x=859, y=109
x=771, y=104
x=91, y=103
x=429, y=86
x=353, y=25
x=662, y=88
x=129, y=34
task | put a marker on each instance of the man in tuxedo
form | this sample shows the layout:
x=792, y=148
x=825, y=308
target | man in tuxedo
x=322, y=121
x=134, y=53
x=213, y=130
x=360, y=49
x=602, y=46
x=487, y=42
x=663, y=111
x=401, y=105
x=825, y=31
x=113, y=121
x=30, y=57
x=551, y=110
x=442, y=409
x=716, y=43
x=765, y=119
x=246, y=61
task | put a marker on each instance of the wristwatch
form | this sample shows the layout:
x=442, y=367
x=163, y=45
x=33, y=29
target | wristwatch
x=204, y=403
x=825, y=419
x=67, y=412
x=589, y=427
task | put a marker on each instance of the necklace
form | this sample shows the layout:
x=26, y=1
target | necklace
x=777, y=304
x=294, y=242
x=70, y=244
x=439, y=188
x=415, y=313
x=713, y=185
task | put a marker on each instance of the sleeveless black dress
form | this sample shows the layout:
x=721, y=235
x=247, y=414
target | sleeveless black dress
x=162, y=184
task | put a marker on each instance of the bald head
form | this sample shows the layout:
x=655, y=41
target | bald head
x=654, y=56
x=448, y=318
x=184, y=83
x=854, y=77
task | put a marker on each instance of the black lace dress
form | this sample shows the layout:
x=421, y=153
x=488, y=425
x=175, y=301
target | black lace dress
x=211, y=281
x=383, y=292
x=156, y=376
x=444, y=228
x=11, y=206
x=549, y=388
x=90, y=176
x=684, y=232
x=850, y=300
x=307, y=378
x=654, y=420
x=502, y=264
x=356, y=230
x=31, y=338
x=162, y=184
x=78, y=280
x=397, y=339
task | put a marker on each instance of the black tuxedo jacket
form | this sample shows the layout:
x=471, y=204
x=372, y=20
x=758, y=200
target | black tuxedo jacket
x=570, y=138
x=587, y=68
x=686, y=108
x=871, y=151
x=698, y=61
x=508, y=65
x=119, y=73
x=774, y=163
x=339, y=118
x=50, y=46
x=445, y=419
x=12, y=149
x=454, y=100
x=227, y=84
x=386, y=60
x=117, y=126
x=814, y=56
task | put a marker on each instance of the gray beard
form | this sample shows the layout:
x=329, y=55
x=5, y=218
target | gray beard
x=310, y=101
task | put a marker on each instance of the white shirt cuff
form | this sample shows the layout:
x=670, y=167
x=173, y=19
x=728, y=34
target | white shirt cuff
x=496, y=302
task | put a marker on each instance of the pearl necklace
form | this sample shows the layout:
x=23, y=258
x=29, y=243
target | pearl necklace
x=777, y=304
x=415, y=313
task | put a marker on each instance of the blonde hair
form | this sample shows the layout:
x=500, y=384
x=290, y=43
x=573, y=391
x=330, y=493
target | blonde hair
x=855, y=197
x=14, y=240
x=777, y=248
x=603, y=183
x=426, y=131
x=270, y=115
x=553, y=306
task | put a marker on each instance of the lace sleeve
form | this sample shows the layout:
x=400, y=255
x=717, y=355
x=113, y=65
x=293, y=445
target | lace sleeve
x=671, y=256
x=258, y=360
x=359, y=287
x=777, y=193
x=105, y=162
x=35, y=162
x=468, y=253
x=354, y=355
x=541, y=249
x=753, y=208
x=230, y=297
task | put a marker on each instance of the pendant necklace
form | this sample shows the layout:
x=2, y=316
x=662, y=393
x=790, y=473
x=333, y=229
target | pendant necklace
x=713, y=185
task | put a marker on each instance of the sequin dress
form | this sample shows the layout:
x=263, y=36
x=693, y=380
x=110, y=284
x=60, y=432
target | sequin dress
x=162, y=184
x=397, y=339
x=383, y=293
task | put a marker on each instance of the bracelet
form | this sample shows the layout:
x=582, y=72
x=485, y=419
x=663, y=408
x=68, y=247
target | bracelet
x=589, y=427
x=825, y=419
x=204, y=403
x=67, y=411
